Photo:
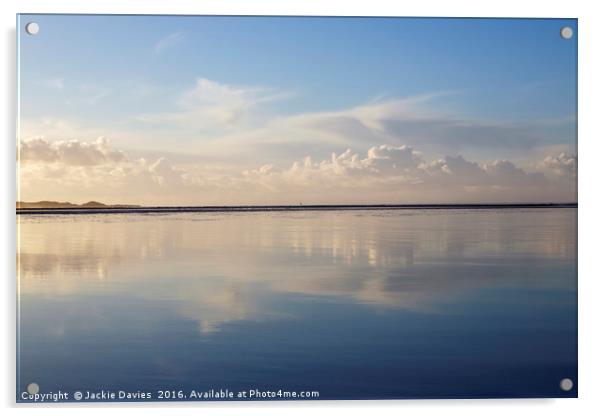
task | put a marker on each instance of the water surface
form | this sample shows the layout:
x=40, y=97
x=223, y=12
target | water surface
x=358, y=304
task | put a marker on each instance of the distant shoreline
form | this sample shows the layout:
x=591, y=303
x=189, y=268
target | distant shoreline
x=276, y=208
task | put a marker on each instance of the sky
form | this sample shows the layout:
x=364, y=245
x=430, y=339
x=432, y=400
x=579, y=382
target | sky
x=198, y=110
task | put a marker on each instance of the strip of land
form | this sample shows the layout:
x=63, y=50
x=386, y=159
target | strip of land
x=57, y=204
x=122, y=209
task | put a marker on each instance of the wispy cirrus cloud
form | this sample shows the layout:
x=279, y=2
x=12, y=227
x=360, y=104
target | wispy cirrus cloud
x=244, y=118
x=217, y=107
x=54, y=83
x=167, y=42
x=91, y=94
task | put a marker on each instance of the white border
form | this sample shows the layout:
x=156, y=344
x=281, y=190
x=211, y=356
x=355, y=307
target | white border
x=590, y=199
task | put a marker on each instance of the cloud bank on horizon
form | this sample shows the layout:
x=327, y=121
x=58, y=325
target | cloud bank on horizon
x=431, y=120
x=385, y=174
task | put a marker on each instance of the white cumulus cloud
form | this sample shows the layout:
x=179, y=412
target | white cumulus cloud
x=561, y=165
x=68, y=152
x=77, y=170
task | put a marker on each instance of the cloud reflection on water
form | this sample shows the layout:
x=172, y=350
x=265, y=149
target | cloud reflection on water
x=219, y=268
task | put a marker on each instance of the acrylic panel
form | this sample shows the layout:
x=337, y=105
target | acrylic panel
x=295, y=208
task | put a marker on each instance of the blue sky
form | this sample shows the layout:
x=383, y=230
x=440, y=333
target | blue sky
x=508, y=85
x=334, y=61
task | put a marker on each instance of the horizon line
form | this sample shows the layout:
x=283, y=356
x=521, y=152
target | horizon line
x=122, y=209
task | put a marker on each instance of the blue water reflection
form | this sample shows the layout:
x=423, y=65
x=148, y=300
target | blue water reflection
x=368, y=304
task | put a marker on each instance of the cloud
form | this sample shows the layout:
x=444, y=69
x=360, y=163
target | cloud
x=245, y=126
x=355, y=265
x=69, y=152
x=210, y=106
x=383, y=174
x=562, y=165
x=54, y=83
x=57, y=129
x=242, y=121
x=167, y=42
x=390, y=172
x=410, y=121
x=454, y=168
x=399, y=150
x=75, y=170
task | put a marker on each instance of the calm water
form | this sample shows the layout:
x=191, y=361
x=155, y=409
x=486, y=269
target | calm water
x=361, y=304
